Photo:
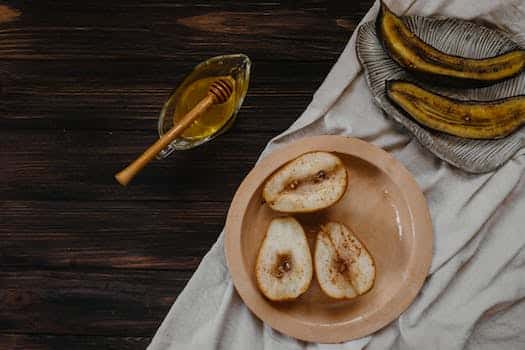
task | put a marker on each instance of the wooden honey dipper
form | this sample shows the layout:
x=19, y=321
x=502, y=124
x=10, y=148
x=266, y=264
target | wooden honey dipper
x=218, y=92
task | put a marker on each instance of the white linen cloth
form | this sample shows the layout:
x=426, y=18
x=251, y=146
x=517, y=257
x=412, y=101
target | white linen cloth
x=474, y=296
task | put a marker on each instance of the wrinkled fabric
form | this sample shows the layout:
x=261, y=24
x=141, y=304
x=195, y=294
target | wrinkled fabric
x=474, y=296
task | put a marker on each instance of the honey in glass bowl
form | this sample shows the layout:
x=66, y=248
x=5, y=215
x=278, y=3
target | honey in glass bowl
x=218, y=118
x=214, y=118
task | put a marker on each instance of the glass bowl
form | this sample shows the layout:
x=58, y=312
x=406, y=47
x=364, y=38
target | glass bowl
x=237, y=66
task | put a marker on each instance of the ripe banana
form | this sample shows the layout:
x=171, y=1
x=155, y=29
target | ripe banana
x=415, y=55
x=468, y=119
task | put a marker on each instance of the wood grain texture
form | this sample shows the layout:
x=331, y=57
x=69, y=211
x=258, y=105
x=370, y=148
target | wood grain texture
x=76, y=342
x=172, y=30
x=128, y=303
x=79, y=165
x=87, y=264
x=128, y=95
x=120, y=235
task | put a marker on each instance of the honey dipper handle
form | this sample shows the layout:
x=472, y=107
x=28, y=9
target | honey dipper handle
x=128, y=173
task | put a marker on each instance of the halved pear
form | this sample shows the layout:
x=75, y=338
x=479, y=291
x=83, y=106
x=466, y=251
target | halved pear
x=311, y=182
x=284, y=264
x=343, y=266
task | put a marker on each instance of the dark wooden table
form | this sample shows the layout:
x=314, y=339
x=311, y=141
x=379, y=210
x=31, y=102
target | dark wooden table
x=85, y=263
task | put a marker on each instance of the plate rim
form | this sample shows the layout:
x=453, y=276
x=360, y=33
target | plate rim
x=417, y=268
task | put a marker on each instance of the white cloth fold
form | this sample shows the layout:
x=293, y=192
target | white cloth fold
x=474, y=296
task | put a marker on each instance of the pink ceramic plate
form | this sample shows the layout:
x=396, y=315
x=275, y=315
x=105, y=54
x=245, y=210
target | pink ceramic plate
x=386, y=209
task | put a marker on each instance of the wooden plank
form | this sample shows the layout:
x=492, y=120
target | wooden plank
x=174, y=30
x=84, y=303
x=79, y=165
x=122, y=235
x=128, y=95
x=76, y=342
x=88, y=264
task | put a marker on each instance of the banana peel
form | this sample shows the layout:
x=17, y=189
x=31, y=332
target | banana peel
x=418, y=57
x=469, y=119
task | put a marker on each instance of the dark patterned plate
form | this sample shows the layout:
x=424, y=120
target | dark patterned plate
x=455, y=37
